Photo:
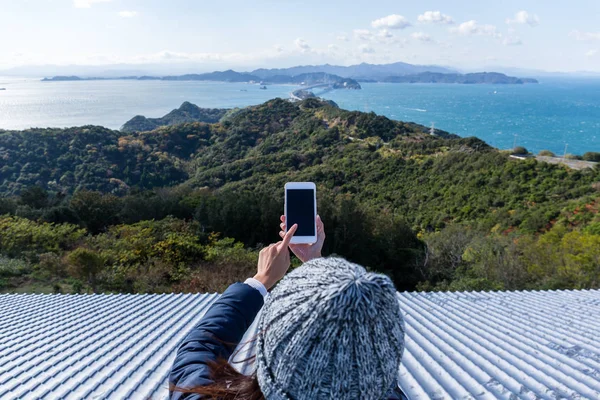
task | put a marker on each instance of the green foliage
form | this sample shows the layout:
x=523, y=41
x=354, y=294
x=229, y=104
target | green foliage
x=13, y=267
x=573, y=157
x=520, y=151
x=571, y=258
x=86, y=264
x=591, y=156
x=434, y=212
x=92, y=158
x=34, y=197
x=546, y=153
x=21, y=237
x=76, y=285
x=52, y=263
x=187, y=112
x=94, y=210
x=224, y=252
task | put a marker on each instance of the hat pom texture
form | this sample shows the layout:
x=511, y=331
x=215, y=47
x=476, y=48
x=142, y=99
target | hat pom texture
x=330, y=330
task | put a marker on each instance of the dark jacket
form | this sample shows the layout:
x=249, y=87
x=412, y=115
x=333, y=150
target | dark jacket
x=225, y=322
x=215, y=337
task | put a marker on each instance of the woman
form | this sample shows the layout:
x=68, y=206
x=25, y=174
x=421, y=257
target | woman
x=329, y=330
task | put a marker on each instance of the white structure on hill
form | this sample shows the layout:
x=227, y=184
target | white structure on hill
x=505, y=345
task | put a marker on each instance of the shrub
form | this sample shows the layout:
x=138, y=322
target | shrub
x=52, y=263
x=10, y=267
x=520, y=151
x=592, y=156
x=546, y=153
x=76, y=285
x=86, y=264
x=20, y=237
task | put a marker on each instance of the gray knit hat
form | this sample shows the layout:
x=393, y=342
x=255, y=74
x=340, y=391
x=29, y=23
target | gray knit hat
x=330, y=330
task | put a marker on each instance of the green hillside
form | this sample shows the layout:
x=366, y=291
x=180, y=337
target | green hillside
x=186, y=207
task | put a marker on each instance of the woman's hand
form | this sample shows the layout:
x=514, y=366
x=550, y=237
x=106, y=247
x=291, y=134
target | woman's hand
x=306, y=252
x=274, y=260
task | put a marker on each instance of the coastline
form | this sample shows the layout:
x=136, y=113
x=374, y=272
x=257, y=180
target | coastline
x=545, y=116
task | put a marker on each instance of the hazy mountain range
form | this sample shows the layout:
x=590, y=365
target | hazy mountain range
x=359, y=71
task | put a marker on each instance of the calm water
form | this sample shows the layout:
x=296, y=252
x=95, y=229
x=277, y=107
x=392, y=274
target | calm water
x=550, y=115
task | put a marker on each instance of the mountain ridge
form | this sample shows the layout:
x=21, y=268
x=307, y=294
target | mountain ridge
x=361, y=71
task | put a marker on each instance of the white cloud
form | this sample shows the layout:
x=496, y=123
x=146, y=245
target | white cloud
x=512, y=41
x=366, y=49
x=393, y=21
x=523, y=17
x=471, y=27
x=88, y=3
x=592, y=53
x=384, y=34
x=363, y=34
x=585, y=35
x=435, y=17
x=302, y=45
x=127, y=14
x=278, y=48
x=421, y=36
x=342, y=38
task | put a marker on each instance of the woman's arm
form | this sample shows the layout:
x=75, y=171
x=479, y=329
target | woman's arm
x=215, y=337
x=225, y=323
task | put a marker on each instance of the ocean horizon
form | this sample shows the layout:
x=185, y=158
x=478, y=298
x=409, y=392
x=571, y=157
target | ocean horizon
x=556, y=114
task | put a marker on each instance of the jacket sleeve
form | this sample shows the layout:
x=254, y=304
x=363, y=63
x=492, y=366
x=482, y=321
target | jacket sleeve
x=215, y=337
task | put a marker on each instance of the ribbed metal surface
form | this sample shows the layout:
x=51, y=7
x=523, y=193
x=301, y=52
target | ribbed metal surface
x=92, y=346
x=506, y=345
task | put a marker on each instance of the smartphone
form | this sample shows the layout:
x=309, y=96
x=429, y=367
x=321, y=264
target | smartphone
x=301, y=209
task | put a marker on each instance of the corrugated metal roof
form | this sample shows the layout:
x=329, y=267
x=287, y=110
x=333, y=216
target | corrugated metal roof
x=507, y=345
x=92, y=346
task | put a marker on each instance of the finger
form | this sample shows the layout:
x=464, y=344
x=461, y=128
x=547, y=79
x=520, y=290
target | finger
x=282, y=218
x=288, y=236
x=281, y=234
x=282, y=226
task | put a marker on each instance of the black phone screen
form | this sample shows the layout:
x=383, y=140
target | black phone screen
x=301, y=211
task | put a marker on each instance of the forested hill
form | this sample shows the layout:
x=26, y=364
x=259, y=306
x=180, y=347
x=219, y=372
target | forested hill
x=187, y=112
x=142, y=211
x=96, y=158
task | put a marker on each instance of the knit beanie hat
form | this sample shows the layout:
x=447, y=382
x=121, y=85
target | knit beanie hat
x=330, y=330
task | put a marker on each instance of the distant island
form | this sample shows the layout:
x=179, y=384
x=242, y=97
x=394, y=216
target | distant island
x=336, y=77
x=305, y=79
x=474, y=78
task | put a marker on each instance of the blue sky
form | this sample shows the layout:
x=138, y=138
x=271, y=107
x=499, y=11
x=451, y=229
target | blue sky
x=547, y=35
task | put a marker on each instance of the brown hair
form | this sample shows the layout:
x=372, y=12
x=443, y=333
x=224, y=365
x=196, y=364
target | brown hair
x=228, y=383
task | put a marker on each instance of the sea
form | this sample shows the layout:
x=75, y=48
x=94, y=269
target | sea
x=558, y=114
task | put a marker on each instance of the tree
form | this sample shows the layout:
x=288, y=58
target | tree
x=546, y=153
x=86, y=264
x=34, y=197
x=592, y=156
x=520, y=151
x=95, y=210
